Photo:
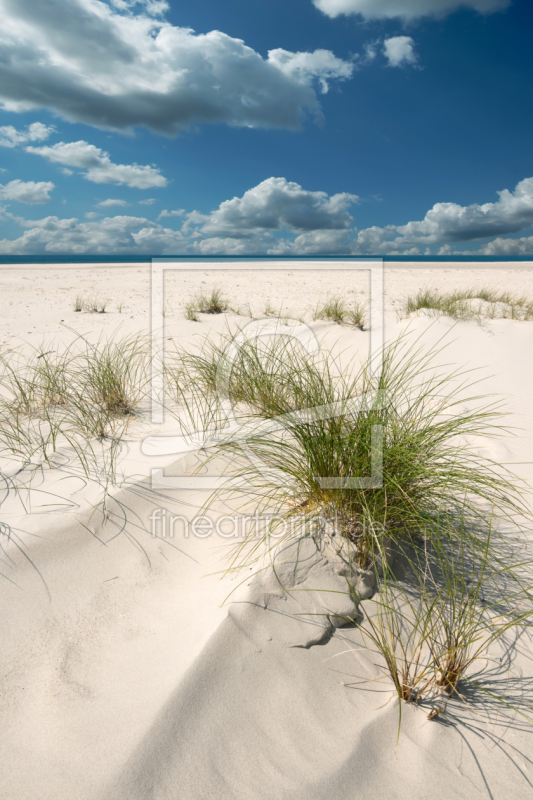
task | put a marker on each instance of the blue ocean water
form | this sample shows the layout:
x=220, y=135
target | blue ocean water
x=146, y=259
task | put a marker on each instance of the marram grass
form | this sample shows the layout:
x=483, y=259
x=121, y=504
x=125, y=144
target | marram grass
x=470, y=304
x=213, y=301
x=447, y=612
x=457, y=588
x=337, y=309
x=305, y=420
x=82, y=396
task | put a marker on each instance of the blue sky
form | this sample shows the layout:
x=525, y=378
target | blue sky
x=278, y=126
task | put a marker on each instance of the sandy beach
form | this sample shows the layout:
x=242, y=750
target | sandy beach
x=133, y=668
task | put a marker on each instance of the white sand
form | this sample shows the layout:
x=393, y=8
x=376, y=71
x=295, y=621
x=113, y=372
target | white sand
x=124, y=675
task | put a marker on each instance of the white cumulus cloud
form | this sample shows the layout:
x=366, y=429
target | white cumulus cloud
x=121, y=65
x=177, y=212
x=36, y=132
x=332, y=242
x=28, y=192
x=100, y=168
x=509, y=247
x=399, y=51
x=406, y=9
x=111, y=202
x=274, y=204
x=303, y=67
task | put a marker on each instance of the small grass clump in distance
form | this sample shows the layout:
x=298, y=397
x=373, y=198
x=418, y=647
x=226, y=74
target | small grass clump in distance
x=95, y=304
x=336, y=309
x=213, y=302
x=357, y=315
x=470, y=304
x=191, y=312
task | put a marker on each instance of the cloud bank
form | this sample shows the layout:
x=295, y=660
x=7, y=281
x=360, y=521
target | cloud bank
x=279, y=216
x=120, y=65
x=406, y=9
x=450, y=222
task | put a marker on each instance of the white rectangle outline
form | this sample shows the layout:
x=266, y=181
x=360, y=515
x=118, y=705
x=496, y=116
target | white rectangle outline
x=157, y=323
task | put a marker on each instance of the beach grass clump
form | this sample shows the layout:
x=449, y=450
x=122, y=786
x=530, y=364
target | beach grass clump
x=33, y=383
x=448, y=611
x=114, y=373
x=312, y=430
x=95, y=304
x=470, y=304
x=206, y=302
x=32, y=395
x=109, y=382
x=191, y=311
x=454, y=304
x=80, y=393
x=26, y=438
x=211, y=302
x=375, y=464
x=357, y=315
x=336, y=309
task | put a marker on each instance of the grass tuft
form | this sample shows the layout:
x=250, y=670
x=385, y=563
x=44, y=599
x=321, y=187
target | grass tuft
x=449, y=610
x=83, y=393
x=357, y=316
x=307, y=429
x=336, y=309
x=307, y=421
x=191, y=311
x=470, y=304
x=95, y=304
x=213, y=302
